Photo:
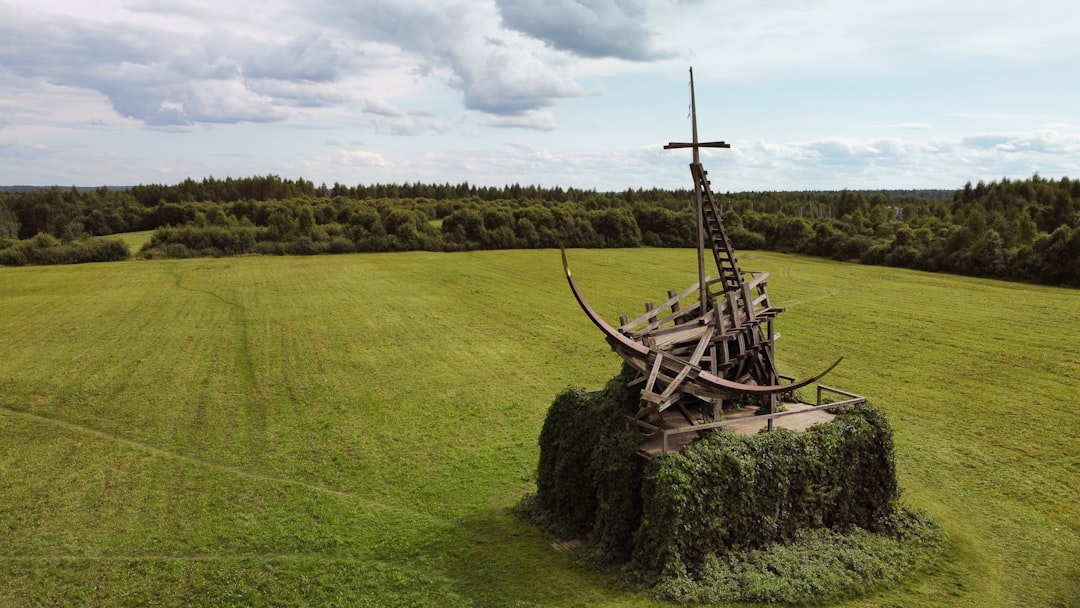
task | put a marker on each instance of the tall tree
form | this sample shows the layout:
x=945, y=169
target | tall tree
x=9, y=222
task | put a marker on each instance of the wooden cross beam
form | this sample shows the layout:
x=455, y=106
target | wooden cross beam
x=705, y=144
x=695, y=144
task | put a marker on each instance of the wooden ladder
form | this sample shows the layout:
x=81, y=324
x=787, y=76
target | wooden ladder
x=726, y=264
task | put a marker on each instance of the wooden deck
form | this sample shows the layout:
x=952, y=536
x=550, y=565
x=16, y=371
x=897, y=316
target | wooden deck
x=746, y=425
x=795, y=422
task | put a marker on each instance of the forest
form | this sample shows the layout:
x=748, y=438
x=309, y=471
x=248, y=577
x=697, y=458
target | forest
x=1026, y=230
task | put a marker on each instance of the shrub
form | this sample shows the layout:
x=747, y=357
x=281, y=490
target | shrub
x=674, y=518
x=817, y=566
x=45, y=249
x=195, y=241
x=587, y=476
x=744, y=239
x=13, y=256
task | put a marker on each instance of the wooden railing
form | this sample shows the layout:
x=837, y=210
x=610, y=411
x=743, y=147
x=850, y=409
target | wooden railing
x=852, y=398
x=822, y=389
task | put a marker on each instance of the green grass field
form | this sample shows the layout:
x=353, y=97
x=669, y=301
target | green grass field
x=354, y=430
x=135, y=240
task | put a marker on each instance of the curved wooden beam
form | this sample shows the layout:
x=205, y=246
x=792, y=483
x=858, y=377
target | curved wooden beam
x=625, y=346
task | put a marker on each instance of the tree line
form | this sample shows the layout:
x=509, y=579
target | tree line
x=1012, y=229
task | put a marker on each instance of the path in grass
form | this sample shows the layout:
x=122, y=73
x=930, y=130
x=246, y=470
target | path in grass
x=355, y=429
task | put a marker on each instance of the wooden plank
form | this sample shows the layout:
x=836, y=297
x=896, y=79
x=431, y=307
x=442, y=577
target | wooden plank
x=723, y=423
x=740, y=342
x=758, y=279
x=656, y=331
x=642, y=423
x=682, y=335
x=653, y=372
x=757, y=336
x=652, y=398
x=748, y=303
x=822, y=388
x=734, y=316
x=685, y=413
x=703, y=344
x=720, y=317
x=669, y=370
x=651, y=315
x=674, y=385
x=686, y=315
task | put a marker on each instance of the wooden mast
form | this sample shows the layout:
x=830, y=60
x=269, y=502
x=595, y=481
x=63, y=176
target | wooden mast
x=699, y=204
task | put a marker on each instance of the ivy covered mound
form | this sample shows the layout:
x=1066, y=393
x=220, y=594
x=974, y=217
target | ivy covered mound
x=775, y=517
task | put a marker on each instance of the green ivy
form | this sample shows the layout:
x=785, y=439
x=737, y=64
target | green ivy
x=671, y=518
x=817, y=566
x=728, y=493
x=564, y=483
x=588, y=476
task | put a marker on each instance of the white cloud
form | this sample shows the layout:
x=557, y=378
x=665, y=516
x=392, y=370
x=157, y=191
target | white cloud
x=498, y=71
x=797, y=39
x=414, y=126
x=837, y=93
x=310, y=57
x=162, y=78
x=919, y=126
x=589, y=28
x=535, y=119
x=1056, y=139
x=825, y=164
x=361, y=158
x=896, y=163
x=381, y=108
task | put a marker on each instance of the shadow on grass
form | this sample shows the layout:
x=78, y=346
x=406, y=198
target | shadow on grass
x=498, y=559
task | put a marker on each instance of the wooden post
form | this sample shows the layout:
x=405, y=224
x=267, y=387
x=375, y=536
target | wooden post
x=699, y=203
x=770, y=344
x=671, y=293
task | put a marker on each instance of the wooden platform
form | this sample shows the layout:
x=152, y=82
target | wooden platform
x=795, y=422
x=741, y=423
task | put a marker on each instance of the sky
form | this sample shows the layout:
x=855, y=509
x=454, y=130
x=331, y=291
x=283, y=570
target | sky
x=811, y=94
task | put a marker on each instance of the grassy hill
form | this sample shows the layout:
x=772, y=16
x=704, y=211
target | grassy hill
x=355, y=429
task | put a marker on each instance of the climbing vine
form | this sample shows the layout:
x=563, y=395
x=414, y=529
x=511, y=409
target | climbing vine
x=675, y=520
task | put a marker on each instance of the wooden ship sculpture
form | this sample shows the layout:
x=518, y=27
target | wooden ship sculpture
x=709, y=347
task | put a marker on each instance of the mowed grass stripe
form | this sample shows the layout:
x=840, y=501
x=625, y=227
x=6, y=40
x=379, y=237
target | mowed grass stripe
x=351, y=436
x=977, y=389
x=194, y=460
x=103, y=497
x=961, y=360
x=416, y=384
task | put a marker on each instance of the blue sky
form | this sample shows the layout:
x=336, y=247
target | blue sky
x=811, y=94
